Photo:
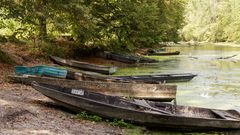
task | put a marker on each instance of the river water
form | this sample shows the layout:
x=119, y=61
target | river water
x=218, y=82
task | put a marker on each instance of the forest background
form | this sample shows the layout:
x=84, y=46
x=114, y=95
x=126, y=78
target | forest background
x=80, y=27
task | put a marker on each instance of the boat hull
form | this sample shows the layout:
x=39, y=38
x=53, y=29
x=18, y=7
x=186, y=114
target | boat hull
x=163, y=53
x=152, y=79
x=126, y=58
x=114, y=108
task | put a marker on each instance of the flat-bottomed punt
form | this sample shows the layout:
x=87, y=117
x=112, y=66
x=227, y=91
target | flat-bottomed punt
x=84, y=65
x=153, y=79
x=126, y=58
x=149, y=113
x=163, y=53
x=136, y=90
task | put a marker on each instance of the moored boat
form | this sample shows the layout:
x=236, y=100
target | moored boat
x=84, y=65
x=154, y=79
x=126, y=58
x=150, y=113
x=163, y=53
x=136, y=90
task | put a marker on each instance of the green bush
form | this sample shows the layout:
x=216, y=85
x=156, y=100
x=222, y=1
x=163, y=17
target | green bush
x=121, y=123
x=95, y=118
x=51, y=49
x=84, y=115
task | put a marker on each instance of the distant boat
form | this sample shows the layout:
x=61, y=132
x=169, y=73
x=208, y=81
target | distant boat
x=126, y=58
x=162, y=53
x=84, y=65
x=136, y=90
x=152, y=114
x=41, y=70
x=154, y=79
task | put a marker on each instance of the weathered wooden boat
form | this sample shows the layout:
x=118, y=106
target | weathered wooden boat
x=156, y=50
x=163, y=53
x=164, y=78
x=126, y=58
x=136, y=90
x=84, y=65
x=154, y=79
x=42, y=70
x=156, y=114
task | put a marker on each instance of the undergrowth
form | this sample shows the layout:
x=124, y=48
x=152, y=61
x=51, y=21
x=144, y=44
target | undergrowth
x=84, y=115
x=4, y=58
x=121, y=123
x=95, y=118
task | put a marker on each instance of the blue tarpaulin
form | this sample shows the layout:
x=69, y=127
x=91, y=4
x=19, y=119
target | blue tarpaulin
x=41, y=70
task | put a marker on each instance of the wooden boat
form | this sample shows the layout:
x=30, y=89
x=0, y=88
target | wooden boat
x=84, y=65
x=136, y=90
x=156, y=50
x=126, y=58
x=154, y=79
x=163, y=53
x=156, y=114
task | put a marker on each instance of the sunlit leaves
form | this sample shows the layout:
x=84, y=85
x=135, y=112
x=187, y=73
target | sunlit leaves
x=212, y=20
x=113, y=24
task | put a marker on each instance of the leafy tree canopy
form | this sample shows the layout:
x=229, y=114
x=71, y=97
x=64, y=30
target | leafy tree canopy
x=212, y=20
x=115, y=24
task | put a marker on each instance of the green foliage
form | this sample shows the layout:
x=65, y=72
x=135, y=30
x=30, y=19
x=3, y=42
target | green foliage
x=212, y=20
x=127, y=24
x=50, y=49
x=121, y=123
x=107, y=24
x=84, y=115
x=171, y=19
x=95, y=118
x=3, y=39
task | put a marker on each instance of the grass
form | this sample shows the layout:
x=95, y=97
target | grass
x=115, y=122
x=84, y=115
x=121, y=123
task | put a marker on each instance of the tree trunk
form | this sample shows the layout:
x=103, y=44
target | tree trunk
x=42, y=19
x=213, y=10
x=42, y=28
